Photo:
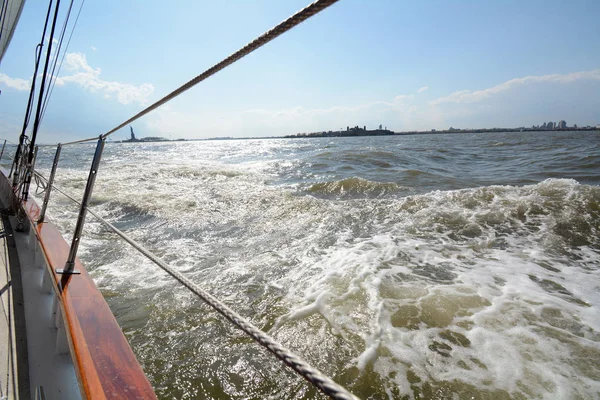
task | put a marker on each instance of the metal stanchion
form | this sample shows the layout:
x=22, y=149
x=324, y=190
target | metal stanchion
x=2, y=152
x=29, y=175
x=49, y=185
x=70, y=264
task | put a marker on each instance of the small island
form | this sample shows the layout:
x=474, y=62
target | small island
x=133, y=139
x=380, y=131
x=355, y=131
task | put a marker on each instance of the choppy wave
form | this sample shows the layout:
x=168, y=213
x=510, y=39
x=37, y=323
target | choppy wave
x=486, y=291
x=353, y=187
x=475, y=292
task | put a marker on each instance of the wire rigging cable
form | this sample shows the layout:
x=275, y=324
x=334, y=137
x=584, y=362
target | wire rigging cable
x=73, y=142
x=28, y=111
x=36, y=122
x=265, y=38
x=55, y=77
x=56, y=56
x=38, y=55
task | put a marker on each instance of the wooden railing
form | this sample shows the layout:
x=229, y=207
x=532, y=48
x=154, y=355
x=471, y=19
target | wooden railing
x=105, y=365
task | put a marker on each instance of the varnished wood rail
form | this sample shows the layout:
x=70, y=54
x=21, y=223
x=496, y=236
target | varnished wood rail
x=104, y=362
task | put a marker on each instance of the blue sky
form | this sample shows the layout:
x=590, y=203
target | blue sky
x=404, y=64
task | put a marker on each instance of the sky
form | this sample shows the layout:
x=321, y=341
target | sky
x=408, y=65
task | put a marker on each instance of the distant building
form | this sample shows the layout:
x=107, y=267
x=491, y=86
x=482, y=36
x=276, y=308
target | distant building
x=562, y=124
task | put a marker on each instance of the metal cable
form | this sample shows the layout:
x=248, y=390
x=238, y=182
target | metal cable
x=55, y=60
x=311, y=374
x=38, y=56
x=21, y=169
x=63, y=57
x=265, y=38
x=41, y=185
x=95, y=139
x=36, y=122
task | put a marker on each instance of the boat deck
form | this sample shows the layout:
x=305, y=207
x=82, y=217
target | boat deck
x=74, y=348
x=14, y=371
x=29, y=360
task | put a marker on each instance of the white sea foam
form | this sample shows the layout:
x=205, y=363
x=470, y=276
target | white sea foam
x=489, y=290
x=493, y=306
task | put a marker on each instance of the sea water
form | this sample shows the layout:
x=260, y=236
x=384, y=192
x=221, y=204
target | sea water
x=426, y=266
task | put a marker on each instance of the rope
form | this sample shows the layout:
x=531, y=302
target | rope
x=41, y=185
x=265, y=38
x=311, y=374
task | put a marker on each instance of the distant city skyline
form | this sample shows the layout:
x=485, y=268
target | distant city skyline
x=411, y=66
x=562, y=124
x=382, y=131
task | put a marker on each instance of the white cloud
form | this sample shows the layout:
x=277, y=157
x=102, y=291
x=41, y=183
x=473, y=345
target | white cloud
x=275, y=122
x=397, y=102
x=14, y=83
x=401, y=98
x=93, y=48
x=347, y=112
x=469, y=96
x=424, y=88
x=89, y=78
x=517, y=102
